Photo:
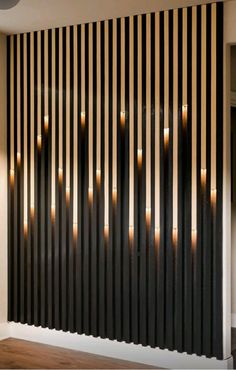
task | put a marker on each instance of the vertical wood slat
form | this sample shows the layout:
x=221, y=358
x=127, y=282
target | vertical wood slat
x=22, y=238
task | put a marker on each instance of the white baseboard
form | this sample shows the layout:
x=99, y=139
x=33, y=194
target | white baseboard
x=105, y=347
x=4, y=331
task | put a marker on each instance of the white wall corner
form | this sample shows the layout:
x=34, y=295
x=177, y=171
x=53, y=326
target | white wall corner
x=3, y=179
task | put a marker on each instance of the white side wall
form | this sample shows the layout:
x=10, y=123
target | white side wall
x=3, y=182
x=230, y=260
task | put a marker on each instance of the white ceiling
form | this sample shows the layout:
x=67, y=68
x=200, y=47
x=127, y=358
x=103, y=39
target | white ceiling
x=32, y=15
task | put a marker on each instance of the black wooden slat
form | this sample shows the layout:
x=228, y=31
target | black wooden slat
x=22, y=243
x=134, y=252
x=207, y=252
x=102, y=251
x=118, y=254
x=187, y=194
x=152, y=253
x=10, y=193
x=79, y=244
x=48, y=180
x=197, y=298
x=179, y=247
x=125, y=197
x=94, y=221
x=110, y=251
x=161, y=255
x=56, y=232
x=170, y=247
x=71, y=249
x=142, y=202
x=86, y=239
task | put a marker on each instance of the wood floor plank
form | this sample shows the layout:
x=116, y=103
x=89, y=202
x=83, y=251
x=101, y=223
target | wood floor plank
x=21, y=354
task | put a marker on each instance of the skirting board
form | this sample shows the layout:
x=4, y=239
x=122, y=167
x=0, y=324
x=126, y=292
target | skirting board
x=105, y=347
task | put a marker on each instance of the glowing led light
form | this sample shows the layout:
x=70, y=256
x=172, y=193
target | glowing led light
x=175, y=236
x=60, y=175
x=67, y=195
x=166, y=137
x=194, y=238
x=18, y=158
x=213, y=197
x=90, y=195
x=98, y=177
x=83, y=119
x=185, y=115
x=12, y=177
x=39, y=142
x=114, y=196
x=122, y=119
x=53, y=213
x=140, y=158
x=203, y=177
x=46, y=123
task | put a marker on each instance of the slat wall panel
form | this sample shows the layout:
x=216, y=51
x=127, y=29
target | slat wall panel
x=115, y=179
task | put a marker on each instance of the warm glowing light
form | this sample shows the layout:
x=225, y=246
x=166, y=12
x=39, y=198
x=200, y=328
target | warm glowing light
x=194, y=238
x=53, y=213
x=12, y=177
x=203, y=177
x=83, y=119
x=39, y=142
x=166, y=137
x=46, y=123
x=140, y=156
x=106, y=232
x=32, y=212
x=175, y=236
x=157, y=235
x=148, y=217
x=122, y=119
x=25, y=228
x=98, y=177
x=67, y=195
x=75, y=230
x=114, y=196
x=18, y=158
x=131, y=233
x=90, y=195
x=213, y=197
x=185, y=115
x=60, y=175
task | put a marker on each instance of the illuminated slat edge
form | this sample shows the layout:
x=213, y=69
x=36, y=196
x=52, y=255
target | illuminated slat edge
x=75, y=174
x=25, y=135
x=203, y=92
x=106, y=158
x=148, y=119
x=32, y=122
x=98, y=173
x=213, y=103
x=175, y=122
x=53, y=120
x=131, y=126
x=68, y=111
x=90, y=115
x=157, y=126
x=194, y=124
x=12, y=112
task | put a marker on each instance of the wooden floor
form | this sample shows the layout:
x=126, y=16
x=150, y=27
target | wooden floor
x=20, y=354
